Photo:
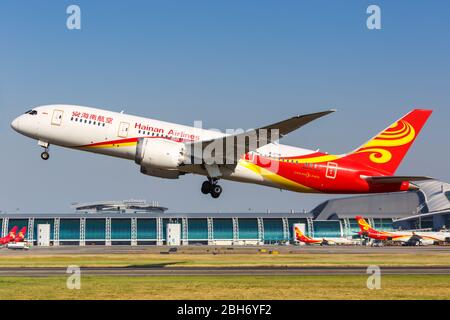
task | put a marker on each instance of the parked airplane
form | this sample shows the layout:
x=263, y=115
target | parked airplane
x=10, y=237
x=19, y=241
x=407, y=237
x=21, y=235
x=168, y=150
x=301, y=237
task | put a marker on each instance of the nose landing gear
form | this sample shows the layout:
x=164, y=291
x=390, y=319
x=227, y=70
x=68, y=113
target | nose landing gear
x=212, y=188
x=44, y=155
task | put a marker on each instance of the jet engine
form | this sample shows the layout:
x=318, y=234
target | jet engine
x=160, y=158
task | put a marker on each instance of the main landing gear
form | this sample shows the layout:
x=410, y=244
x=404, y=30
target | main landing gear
x=212, y=188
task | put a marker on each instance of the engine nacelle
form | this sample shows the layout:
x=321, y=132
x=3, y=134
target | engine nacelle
x=159, y=154
x=161, y=173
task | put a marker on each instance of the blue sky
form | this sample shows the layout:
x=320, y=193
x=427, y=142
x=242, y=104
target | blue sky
x=231, y=64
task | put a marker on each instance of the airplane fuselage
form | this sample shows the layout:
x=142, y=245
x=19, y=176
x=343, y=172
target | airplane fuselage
x=275, y=165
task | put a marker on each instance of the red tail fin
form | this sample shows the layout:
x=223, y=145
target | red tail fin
x=21, y=235
x=364, y=226
x=385, y=151
x=300, y=236
x=12, y=232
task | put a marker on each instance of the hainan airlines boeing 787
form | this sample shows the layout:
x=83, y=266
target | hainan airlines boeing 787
x=168, y=150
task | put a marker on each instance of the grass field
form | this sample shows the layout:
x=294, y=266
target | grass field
x=228, y=287
x=225, y=260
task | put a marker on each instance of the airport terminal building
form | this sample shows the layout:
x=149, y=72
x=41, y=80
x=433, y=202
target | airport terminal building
x=141, y=223
x=194, y=228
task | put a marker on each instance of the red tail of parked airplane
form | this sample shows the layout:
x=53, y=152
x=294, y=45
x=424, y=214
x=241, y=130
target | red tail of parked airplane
x=364, y=226
x=302, y=238
x=21, y=235
x=10, y=237
x=368, y=231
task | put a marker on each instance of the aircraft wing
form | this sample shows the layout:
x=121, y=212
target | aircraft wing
x=229, y=149
x=396, y=179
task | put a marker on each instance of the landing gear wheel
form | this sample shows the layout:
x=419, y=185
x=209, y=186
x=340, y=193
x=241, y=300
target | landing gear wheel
x=45, y=155
x=206, y=187
x=216, y=191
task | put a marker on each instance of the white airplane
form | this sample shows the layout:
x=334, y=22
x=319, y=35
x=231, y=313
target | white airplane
x=168, y=150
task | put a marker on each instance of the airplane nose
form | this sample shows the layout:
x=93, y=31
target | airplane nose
x=15, y=124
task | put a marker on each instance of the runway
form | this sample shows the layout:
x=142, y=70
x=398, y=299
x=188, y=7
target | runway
x=218, y=271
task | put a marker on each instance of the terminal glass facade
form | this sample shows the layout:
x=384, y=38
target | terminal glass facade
x=223, y=229
x=198, y=229
x=330, y=229
x=273, y=230
x=248, y=228
x=69, y=230
x=146, y=229
x=121, y=229
x=95, y=229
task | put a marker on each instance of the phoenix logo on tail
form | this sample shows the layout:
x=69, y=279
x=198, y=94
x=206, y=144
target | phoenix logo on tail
x=21, y=235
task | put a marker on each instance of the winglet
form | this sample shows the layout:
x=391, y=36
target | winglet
x=292, y=124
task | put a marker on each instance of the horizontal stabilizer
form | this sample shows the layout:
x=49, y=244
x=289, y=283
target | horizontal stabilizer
x=395, y=179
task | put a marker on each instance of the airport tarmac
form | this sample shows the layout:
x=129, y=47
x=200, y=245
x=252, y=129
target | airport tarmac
x=234, y=271
x=63, y=250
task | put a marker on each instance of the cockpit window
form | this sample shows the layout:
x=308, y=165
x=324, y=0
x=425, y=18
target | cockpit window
x=31, y=112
